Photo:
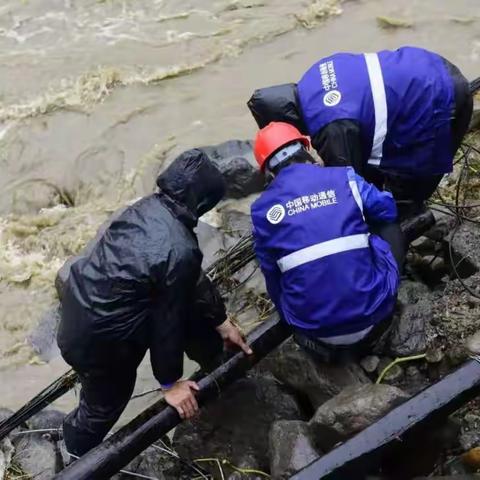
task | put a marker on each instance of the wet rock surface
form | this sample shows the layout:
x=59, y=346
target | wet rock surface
x=464, y=244
x=236, y=162
x=238, y=423
x=291, y=448
x=352, y=410
x=293, y=367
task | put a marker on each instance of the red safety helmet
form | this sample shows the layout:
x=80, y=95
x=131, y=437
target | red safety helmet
x=273, y=137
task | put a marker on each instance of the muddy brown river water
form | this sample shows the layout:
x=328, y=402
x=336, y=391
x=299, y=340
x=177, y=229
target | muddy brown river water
x=96, y=95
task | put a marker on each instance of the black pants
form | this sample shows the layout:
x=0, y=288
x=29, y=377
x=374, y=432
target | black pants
x=393, y=235
x=106, y=390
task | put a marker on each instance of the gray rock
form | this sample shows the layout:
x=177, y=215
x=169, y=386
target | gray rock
x=352, y=410
x=6, y=454
x=475, y=121
x=394, y=375
x=409, y=331
x=46, y=419
x=411, y=292
x=473, y=343
x=465, y=249
x=236, y=162
x=295, y=368
x=444, y=224
x=36, y=456
x=370, y=363
x=237, y=425
x=291, y=448
x=423, y=245
x=434, y=355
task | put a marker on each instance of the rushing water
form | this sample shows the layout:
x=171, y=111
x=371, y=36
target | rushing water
x=97, y=95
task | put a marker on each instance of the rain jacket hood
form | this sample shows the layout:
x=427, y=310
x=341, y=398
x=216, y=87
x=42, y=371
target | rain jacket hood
x=194, y=182
x=276, y=104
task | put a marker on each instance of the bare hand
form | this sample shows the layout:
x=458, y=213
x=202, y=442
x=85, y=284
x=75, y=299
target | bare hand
x=181, y=397
x=232, y=336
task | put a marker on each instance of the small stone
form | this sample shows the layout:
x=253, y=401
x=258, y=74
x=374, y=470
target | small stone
x=472, y=458
x=413, y=373
x=423, y=245
x=370, y=363
x=473, y=302
x=473, y=344
x=434, y=355
x=394, y=374
x=457, y=355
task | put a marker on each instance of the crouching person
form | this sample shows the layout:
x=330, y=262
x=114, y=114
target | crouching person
x=331, y=279
x=142, y=288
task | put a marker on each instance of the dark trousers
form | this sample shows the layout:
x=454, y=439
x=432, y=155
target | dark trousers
x=106, y=390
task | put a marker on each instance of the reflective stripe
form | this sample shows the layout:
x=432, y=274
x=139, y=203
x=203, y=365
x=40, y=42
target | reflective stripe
x=347, y=339
x=356, y=195
x=380, y=105
x=323, y=249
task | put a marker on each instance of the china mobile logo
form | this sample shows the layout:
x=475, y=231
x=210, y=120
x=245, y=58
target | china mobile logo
x=276, y=214
x=332, y=98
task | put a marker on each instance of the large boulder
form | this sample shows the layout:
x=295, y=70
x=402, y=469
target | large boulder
x=237, y=425
x=352, y=410
x=291, y=448
x=236, y=162
x=295, y=368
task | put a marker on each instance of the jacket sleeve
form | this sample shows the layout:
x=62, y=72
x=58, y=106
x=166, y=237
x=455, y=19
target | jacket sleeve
x=339, y=144
x=270, y=271
x=377, y=206
x=208, y=305
x=167, y=342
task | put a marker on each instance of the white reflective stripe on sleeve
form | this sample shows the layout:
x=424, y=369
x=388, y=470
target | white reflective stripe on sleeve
x=320, y=250
x=380, y=105
x=347, y=339
x=356, y=194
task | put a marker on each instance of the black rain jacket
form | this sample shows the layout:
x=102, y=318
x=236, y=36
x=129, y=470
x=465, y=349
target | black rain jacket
x=141, y=281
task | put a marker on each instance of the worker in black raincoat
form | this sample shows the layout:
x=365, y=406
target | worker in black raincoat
x=142, y=288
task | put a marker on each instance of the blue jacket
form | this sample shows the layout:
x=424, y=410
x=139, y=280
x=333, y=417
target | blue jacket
x=324, y=271
x=402, y=99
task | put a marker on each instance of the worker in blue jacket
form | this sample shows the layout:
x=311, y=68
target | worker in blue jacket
x=398, y=117
x=332, y=280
